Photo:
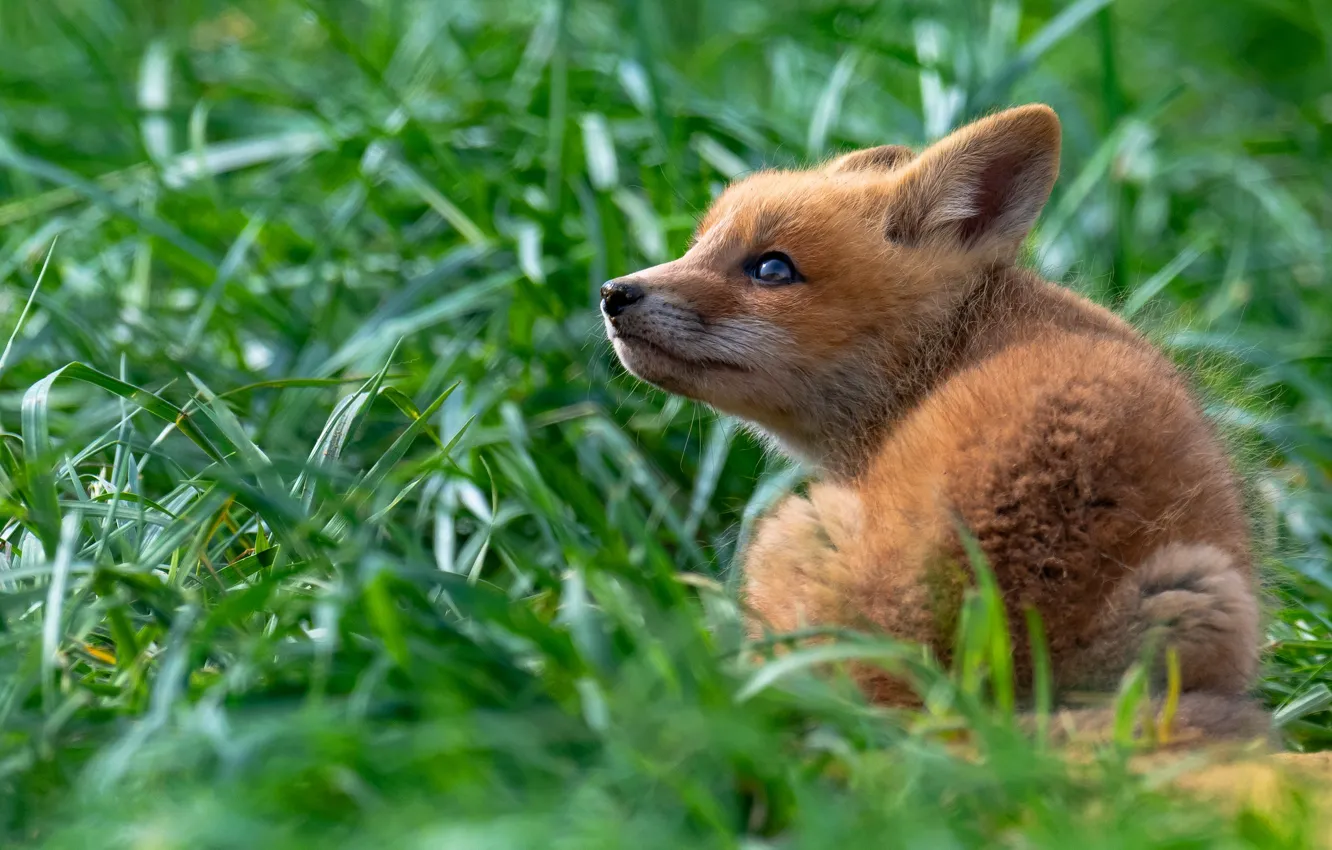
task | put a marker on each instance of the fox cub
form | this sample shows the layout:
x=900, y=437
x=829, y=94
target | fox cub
x=868, y=317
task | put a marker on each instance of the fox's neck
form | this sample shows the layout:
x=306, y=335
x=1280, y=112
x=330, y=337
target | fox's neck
x=859, y=402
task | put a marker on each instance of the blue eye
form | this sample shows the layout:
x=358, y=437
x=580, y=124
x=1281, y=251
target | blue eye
x=774, y=269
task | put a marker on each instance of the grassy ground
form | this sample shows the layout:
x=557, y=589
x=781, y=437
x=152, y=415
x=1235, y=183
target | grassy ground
x=325, y=514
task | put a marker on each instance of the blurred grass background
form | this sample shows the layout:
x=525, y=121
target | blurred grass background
x=344, y=526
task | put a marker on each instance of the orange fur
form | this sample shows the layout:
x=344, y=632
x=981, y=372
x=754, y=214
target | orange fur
x=933, y=381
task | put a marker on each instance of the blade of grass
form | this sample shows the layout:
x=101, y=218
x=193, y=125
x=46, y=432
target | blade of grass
x=27, y=306
x=55, y=174
x=53, y=618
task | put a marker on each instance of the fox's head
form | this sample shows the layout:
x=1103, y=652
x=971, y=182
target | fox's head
x=811, y=302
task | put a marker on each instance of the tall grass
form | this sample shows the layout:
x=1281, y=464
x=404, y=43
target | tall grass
x=327, y=515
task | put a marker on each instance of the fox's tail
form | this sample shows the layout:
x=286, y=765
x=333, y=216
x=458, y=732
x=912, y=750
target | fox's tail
x=1195, y=600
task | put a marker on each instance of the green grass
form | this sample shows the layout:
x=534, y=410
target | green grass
x=344, y=527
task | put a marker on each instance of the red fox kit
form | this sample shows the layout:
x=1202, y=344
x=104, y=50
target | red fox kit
x=867, y=316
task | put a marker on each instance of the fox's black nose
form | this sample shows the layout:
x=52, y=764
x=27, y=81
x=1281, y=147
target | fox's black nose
x=616, y=297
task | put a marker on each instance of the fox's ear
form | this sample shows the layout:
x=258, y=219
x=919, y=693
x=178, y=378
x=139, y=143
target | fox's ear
x=882, y=158
x=982, y=186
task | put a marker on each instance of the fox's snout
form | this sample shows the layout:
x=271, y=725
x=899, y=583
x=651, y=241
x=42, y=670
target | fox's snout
x=617, y=296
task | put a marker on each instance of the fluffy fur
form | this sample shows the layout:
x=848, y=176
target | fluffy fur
x=934, y=382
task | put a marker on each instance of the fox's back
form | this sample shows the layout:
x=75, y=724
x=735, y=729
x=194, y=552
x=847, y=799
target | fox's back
x=1070, y=447
x=1056, y=395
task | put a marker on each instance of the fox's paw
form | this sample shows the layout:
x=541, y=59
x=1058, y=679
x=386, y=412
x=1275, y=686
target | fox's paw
x=795, y=553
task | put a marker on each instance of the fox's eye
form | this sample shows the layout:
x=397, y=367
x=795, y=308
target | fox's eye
x=775, y=269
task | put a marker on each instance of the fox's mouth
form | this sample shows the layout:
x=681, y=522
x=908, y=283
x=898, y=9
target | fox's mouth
x=634, y=341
